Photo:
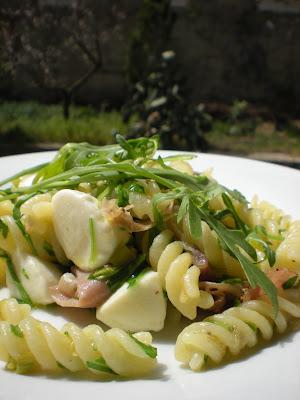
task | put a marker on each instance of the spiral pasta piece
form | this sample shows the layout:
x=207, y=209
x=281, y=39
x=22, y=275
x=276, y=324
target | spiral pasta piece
x=233, y=330
x=32, y=344
x=13, y=312
x=178, y=275
x=266, y=214
x=288, y=252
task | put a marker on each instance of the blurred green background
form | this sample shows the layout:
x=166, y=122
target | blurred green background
x=214, y=76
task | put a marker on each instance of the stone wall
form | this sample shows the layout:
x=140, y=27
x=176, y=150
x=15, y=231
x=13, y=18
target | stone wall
x=228, y=50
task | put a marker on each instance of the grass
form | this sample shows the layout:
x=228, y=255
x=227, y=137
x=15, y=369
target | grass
x=245, y=139
x=30, y=122
x=33, y=122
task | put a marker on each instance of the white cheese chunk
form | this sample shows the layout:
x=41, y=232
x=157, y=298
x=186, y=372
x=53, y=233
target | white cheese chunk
x=75, y=214
x=35, y=275
x=140, y=307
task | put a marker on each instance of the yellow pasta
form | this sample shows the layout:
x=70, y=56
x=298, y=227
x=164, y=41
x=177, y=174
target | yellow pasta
x=233, y=330
x=32, y=344
x=13, y=312
x=178, y=275
x=288, y=252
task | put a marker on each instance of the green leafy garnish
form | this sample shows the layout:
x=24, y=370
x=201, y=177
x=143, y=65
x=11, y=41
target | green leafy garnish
x=223, y=324
x=147, y=348
x=194, y=220
x=270, y=254
x=100, y=365
x=24, y=295
x=48, y=249
x=24, y=272
x=16, y=331
x=238, y=222
x=252, y=326
x=3, y=229
x=17, y=215
x=290, y=282
x=133, y=280
x=93, y=246
x=116, y=276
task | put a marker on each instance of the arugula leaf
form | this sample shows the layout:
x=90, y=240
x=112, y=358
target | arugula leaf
x=22, y=173
x=238, y=222
x=48, y=249
x=17, y=216
x=104, y=272
x=194, y=221
x=134, y=279
x=233, y=240
x=270, y=254
x=290, y=282
x=3, y=229
x=238, y=196
x=93, y=246
x=115, y=276
x=24, y=272
x=158, y=198
x=261, y=231
x=24, y=295
x=100, y=365
x=151, y=351
x=183, y=209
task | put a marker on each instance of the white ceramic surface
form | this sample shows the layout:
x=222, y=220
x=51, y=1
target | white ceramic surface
x=272, y=373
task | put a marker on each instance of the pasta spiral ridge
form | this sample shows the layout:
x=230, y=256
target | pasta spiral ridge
x=233, y=330
x=288, y=252
x=270, y=217
x=13, y=312
x=33, y=344
x=178, y=275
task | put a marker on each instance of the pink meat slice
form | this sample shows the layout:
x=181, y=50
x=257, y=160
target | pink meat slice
x=89, y=293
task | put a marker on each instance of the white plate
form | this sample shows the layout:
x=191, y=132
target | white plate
x=271, y=373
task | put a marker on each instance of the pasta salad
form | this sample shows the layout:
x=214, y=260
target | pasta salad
x=133, y=236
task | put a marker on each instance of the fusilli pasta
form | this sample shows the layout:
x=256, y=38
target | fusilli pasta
x=233, y=330
x=288, y=252
x=178, y=275
x=32, y=344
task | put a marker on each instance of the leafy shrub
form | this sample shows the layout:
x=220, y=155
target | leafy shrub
x=160, y=105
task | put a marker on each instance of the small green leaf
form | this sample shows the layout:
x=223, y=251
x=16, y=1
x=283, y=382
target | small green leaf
x=3, y=229
x=133, y=280
x=238, y=222
x=151, y=351
x=16, y=331
x=194, y=221
x=93, y=246
x=48, y=249
x=270, y=254
x=252, y=326
x=290, y=282
x=24, y=273
x=183, y=209
x=100, y=365
x=238, y=196
x=17, y=215
x=24, y=295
